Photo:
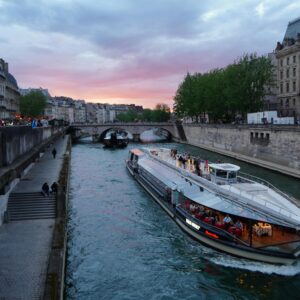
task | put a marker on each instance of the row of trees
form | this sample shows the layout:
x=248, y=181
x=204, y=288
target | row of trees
x=224, y=94
x=161, y=113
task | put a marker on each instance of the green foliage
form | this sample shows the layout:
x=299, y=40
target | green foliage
x=130, y=116
x=161, y=113
x=33, y=104
x=222, y=94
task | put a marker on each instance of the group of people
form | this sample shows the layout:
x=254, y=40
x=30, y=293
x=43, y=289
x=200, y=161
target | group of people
x=193, y=162
x=209, y=216
x=46, y=189
x=39, y=123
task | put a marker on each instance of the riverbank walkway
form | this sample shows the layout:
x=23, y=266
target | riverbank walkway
x=25, y=245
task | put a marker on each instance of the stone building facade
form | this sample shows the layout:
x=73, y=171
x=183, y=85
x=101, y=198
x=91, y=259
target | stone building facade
x=288, y=72
x=9, y=93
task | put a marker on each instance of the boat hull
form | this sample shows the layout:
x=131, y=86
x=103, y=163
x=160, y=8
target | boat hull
x=213, y=243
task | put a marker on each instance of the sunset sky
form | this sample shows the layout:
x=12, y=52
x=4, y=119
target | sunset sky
x=130, y=51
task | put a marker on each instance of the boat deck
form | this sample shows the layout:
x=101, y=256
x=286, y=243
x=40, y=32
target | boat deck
x=256, y=193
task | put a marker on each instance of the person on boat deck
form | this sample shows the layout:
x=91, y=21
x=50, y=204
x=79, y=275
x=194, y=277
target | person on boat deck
x=197, y=167
x=201, y=208
x=193, y=207
x=227, y=221
x=238, y=224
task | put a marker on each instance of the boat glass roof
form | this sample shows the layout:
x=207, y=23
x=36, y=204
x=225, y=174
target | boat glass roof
x=207, y=198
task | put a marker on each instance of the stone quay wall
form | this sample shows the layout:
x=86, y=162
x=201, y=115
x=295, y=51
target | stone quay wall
x=269, y=146
x=19, y=147
x=17, y=140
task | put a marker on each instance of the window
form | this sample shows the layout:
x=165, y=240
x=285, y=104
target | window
x=261, y=135
x=231, y=175
x=256, y=135
x=287, y=87
x=294, y=59
x=281, y=88
x=294, y=72
x=287, y=103
x=294, y=102
x=287, y=73
x=294, y=86
x=267, y=136
x=281, y=74
x=221, y=173
x=281, y=63
x=281, y=102
x=287, y=60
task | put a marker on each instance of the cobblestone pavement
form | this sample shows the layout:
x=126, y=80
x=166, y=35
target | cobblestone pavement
x=25, y=245
x=24, y=249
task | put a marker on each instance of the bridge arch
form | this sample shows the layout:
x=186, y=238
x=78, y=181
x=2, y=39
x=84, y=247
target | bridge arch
x=98, y=131
x=104, y=132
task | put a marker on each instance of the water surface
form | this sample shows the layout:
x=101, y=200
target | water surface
x=122, y=245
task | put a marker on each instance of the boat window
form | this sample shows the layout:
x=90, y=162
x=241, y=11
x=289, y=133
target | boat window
x=221, y=173
x=231, y=175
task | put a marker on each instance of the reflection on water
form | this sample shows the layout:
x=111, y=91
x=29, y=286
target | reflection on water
x=121, y=244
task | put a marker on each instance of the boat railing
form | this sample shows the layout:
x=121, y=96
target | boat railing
x=269, y=185
x=267, y=204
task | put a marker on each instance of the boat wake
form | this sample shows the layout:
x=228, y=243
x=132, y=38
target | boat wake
x=254, y=266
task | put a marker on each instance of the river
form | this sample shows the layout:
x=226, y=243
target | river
x=122, y=245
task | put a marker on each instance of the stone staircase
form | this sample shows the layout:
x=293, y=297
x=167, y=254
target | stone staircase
x=30, y=206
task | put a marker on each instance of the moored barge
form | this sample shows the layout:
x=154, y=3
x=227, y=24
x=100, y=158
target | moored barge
x=213, y=203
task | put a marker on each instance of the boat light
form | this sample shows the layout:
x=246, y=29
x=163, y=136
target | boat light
x=211, y=234
x=192, y=224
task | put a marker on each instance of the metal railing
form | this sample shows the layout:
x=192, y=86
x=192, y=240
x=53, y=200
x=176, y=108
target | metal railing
x=264, y=182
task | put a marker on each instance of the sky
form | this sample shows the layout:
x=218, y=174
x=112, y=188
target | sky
x=132, y=51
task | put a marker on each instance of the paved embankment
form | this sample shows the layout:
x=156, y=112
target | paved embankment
x=25, y=245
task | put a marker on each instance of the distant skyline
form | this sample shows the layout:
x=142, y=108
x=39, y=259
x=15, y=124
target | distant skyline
x=130, y=51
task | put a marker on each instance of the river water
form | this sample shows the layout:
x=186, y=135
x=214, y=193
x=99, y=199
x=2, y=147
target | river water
x=122, y=245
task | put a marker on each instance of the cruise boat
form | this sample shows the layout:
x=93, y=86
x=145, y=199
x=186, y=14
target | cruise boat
x=116, y=139
x=219, y=206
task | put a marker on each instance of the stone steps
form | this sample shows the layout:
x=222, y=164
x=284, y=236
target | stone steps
x=30, y=206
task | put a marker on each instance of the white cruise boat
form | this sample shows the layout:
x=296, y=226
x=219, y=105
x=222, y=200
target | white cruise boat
x=231, y=212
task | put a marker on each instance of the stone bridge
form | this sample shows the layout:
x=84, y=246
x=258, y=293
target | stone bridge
x=98, y=131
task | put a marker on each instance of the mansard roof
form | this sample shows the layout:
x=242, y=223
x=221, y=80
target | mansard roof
x=292, y=29
x=10, y=78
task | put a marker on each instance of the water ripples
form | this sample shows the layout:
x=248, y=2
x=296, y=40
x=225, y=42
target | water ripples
x=121, y=245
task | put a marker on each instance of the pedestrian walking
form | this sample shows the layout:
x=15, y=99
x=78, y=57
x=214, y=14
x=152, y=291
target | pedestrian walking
x=54, y=152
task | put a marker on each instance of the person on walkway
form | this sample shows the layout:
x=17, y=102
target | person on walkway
x=45, y=189
x=54, y=187
x=54, y=152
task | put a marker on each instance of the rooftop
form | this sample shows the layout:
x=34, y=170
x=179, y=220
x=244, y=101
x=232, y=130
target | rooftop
x=292, y=29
